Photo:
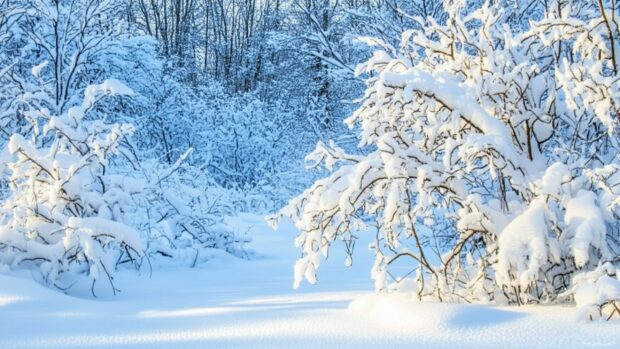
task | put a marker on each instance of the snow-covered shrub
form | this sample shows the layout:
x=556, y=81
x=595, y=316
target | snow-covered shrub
x=597, y=292
x=65, y=213
x=81, y=203
x=488, y=155
x=181, y=214
x=241, y=143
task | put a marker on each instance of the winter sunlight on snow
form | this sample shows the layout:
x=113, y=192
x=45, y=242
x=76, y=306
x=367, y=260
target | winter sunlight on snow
x=310, y=174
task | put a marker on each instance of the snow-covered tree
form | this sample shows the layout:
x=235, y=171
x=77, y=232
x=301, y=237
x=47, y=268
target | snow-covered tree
x=56, y=49
x=489, y=156
x=68, y=36
x=64, y=216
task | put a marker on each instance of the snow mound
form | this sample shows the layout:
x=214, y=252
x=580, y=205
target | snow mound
x=400, y=311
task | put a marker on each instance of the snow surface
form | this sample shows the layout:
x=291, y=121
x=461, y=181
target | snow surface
x=231, y=303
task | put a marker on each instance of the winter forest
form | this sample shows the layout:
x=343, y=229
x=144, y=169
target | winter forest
x=309, y=173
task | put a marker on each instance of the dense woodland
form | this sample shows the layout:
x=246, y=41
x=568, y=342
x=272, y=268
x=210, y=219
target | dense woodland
x=203, y=72
x=477, y=139
x=130, y=128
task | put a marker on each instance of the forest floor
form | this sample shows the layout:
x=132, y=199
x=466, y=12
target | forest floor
x=232, y=303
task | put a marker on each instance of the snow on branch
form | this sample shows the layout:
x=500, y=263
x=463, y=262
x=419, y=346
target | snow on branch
x=493, y=161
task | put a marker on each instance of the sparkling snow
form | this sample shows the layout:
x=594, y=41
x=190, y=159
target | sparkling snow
x=231, y=303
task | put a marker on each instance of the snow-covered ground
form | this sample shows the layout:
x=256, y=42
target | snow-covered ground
x=232, y=303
